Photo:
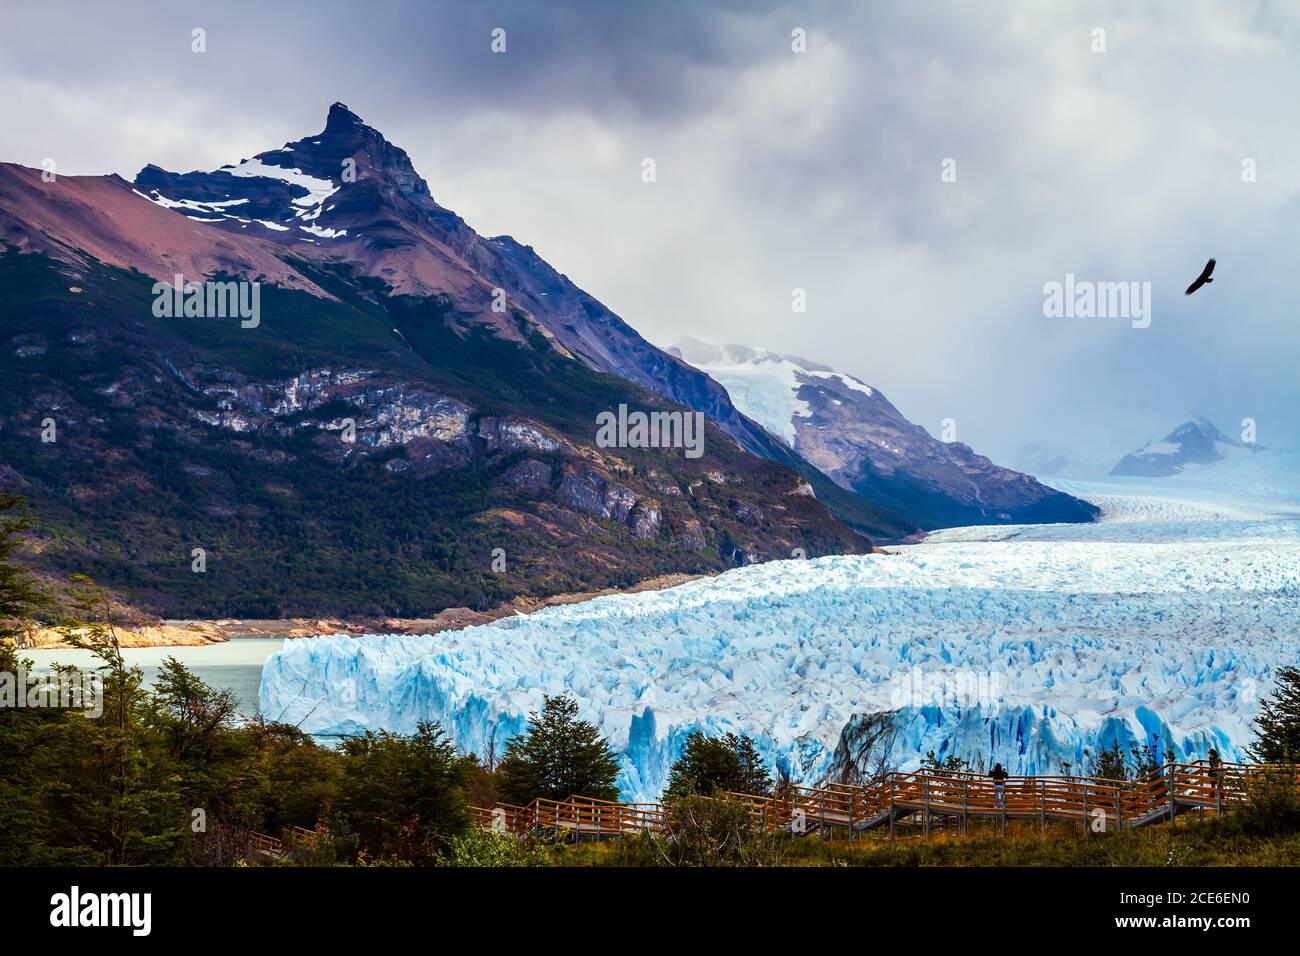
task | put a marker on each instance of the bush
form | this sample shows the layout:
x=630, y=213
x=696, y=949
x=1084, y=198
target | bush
x=711, y=831
x=1274, y=807
x=477, y=848
x=950, y=762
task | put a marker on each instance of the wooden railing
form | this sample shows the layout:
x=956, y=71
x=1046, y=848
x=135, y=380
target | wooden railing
x=278, y=847
x=266, y=845
x=579, y=815
x=1095, y=802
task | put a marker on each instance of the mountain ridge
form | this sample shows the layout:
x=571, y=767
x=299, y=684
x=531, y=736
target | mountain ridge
x=356, y=450
x=388, y=222
x=856, y=436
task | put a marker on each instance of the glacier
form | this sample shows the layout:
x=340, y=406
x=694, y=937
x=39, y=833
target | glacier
x=1031, y=645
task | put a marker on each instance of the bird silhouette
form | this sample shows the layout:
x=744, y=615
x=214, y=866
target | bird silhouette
x=1201, y=279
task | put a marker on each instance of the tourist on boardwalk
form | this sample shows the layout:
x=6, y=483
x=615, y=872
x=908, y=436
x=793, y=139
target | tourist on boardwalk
x=1215, y=772
x=999, y=782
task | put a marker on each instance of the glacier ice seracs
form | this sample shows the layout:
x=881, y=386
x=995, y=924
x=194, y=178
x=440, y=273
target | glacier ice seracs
x=1028, y=645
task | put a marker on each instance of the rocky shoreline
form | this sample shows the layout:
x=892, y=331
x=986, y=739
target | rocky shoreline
x=194, y=633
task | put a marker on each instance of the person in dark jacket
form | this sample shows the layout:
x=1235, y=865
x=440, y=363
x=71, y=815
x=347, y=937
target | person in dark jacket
x=1216, y=772
x=999, y=777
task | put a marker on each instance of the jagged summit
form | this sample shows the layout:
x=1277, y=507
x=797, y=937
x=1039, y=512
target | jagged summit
x=323, y=187
x=339, y=114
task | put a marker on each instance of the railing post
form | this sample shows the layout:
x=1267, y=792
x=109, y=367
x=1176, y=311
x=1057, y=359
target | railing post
x=926, y=826
x=1172, y=776
x=1087, y=830
x=891, y=811
x=1119, y=808
x=1042, y=805
x=965, y=796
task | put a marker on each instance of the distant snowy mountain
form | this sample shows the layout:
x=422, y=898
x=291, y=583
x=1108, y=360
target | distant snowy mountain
x=1039, y=458
x=856, y=436
x=1193, y=443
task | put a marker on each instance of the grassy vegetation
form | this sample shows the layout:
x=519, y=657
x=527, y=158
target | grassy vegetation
x=1192, y=843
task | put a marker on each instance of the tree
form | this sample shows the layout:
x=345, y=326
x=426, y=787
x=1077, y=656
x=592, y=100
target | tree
x=1277, y=734
x=20, y=597
x=557, y=757
x=1141, y=761
x=1108, y=764
x=128, y=776
x=1149, y=759
x=726, y=764
x=754, y=776
x=951, y=763
x=298, y=779
x=189, y=712
x=401, y=796
x=131, y=805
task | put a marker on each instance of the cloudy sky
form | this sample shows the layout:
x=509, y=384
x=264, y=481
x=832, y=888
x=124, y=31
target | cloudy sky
x=777, y=170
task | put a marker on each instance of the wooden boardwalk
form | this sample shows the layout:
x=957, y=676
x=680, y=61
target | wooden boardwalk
x=922, y=798
x=277, y=848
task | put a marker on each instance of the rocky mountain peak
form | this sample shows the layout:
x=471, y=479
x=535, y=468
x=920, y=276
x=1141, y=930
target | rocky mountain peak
x=323, y=187
x=1195, y=442
x=339, y=118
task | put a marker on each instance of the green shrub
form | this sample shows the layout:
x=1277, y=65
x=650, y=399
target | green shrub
x=478, y=848
x=710, y=831
x=1274, y=806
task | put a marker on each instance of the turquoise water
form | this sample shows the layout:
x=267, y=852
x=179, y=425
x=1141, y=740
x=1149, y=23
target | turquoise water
x=235, y=665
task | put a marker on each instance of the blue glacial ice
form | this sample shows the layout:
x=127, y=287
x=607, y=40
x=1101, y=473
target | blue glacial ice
x=1028, y=645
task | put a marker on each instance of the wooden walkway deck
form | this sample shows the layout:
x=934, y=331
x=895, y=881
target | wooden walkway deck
x=920, y=798
x=277, y=848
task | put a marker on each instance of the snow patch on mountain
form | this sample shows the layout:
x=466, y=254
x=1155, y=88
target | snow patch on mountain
x=763, y=384
x=318, y=190
x=306, y=196
x=767, y=390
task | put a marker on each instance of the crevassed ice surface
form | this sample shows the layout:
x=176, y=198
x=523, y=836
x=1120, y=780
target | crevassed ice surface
x=1028, y=645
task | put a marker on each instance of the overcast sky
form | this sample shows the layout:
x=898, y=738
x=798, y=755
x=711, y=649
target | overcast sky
x=779, y=170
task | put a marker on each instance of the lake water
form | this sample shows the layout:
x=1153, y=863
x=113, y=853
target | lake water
x=235, y=665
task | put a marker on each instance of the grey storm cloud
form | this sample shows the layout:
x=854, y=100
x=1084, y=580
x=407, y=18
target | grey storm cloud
x=778, y=170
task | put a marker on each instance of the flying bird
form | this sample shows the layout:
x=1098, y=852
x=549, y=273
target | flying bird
x=1201, y=279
